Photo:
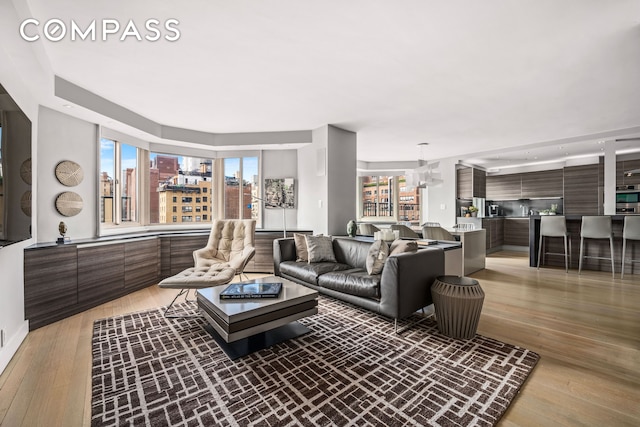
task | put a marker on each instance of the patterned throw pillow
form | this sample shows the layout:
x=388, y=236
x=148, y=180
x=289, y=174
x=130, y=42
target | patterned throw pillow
x=378, y=253
x=301, y=247
x=320, y=248
x=399, y=246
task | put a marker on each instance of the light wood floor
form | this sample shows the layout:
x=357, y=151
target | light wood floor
x=586, y=328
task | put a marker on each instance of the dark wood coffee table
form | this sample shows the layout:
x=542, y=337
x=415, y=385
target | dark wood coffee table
x=242, y=326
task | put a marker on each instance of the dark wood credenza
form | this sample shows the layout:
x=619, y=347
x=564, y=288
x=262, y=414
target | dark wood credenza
x=63, y=280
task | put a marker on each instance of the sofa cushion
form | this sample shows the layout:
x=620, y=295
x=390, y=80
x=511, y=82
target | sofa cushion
x=400, y=246
x=301, y=247
x=355, y=281
x=309, y=272
x=351, y=251
x=378, y=253
x=320, y=248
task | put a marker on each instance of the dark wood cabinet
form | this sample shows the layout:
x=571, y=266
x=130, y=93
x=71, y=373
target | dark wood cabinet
x=494, y=232
x=624, y=166
x=471, y=182
x=504, y=187
x=100, y=272
x=181, y=250
x=479, y=183
x=141, y=263
x=464, y=183
x=516, y=231
x=542, y=184
x=583, y=189
x=50, y=283
x=62, y=280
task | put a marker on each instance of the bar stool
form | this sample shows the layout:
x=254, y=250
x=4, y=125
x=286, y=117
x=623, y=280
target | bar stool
x=631, y=231
x=596, y=227
x=554, y=226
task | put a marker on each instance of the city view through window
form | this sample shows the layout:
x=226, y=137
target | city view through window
x=379, y=199
x=180, y=188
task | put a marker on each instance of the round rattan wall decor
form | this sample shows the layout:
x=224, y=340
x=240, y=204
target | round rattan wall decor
x=69, y=203
x=25, y=202
x=25, y=171
x=69, y=173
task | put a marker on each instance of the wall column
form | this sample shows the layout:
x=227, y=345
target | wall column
x=610, y=177
x=327, y=192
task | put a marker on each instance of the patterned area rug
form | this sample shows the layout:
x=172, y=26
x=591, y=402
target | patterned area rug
x=352, y=369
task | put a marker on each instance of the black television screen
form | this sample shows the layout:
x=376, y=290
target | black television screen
x=15, y=172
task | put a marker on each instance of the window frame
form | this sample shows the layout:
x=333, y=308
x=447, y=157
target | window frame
x=215, y=197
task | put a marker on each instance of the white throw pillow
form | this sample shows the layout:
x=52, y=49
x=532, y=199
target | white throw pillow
x=320, y=248
x=399, y=246
x=378, y=253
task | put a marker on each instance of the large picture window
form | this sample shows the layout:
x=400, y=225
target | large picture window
x=387, y=198
x=148, y=188
x=241, y=187
x=119, y=183
x=179, y=184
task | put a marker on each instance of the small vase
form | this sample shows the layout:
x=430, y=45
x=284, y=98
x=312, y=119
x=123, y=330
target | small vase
x=474, y=214
x=352, y=228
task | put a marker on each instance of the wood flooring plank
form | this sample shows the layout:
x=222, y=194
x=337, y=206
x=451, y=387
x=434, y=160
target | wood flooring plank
x=585, y=328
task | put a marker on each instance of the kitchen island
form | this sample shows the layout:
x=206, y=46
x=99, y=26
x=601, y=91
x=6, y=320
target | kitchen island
x=593, y=247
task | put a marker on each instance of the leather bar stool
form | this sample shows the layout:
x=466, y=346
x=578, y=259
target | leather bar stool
x=554, y=226
x=596, y=227
x=631, y=231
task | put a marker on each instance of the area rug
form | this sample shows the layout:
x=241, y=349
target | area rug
x=352, y=369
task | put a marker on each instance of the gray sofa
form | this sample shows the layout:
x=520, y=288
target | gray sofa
x=403, y=287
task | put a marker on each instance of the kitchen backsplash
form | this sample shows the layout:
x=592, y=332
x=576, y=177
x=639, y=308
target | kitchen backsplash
x=524, y=207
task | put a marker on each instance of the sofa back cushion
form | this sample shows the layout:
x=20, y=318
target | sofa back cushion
x=319, y=249
x=352, y=252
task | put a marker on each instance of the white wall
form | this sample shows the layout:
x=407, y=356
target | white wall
x=327, y=176
x=12, y=54
x=439, y=202
x=62, y=137
x=312, y=193
x=280, y=164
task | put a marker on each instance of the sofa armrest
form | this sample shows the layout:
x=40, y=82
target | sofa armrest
x=405, y=286
x=283, y=250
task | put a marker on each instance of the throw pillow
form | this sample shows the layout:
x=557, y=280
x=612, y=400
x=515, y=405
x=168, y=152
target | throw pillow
x=378, y=253
x=399, y=246
x=320, y=248
x=301, y=247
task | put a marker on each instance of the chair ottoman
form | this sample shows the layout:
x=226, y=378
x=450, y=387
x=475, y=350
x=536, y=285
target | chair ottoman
x=195, y=278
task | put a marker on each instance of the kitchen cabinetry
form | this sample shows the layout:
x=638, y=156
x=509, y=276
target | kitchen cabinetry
x=495, y=232
x=622, y=167
x=516, y=231
x=471, y=182
x=542, y=184
x=583, y=188
x=504, y=187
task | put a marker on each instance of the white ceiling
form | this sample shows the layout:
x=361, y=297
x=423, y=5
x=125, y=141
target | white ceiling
x=472, y=78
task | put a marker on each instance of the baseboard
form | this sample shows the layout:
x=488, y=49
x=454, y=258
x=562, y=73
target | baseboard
x=12, y=346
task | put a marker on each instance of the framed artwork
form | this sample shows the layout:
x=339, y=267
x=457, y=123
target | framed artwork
x=280, y=193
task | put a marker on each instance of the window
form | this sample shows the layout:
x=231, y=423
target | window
x=380, y=195
x=240, y=188
x=177, y=181
x=119, y=183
